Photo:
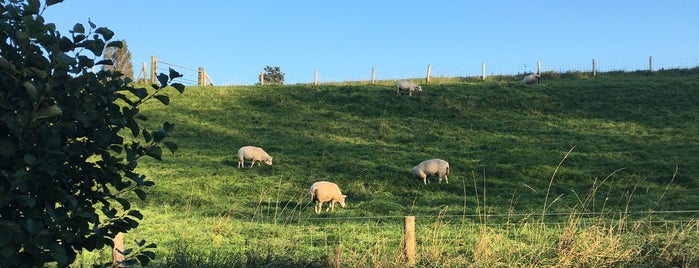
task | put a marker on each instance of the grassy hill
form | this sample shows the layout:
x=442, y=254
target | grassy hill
x=616, y=144
x=638, y=131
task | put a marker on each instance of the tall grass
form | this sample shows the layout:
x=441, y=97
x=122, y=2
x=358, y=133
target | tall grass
x=519, y=195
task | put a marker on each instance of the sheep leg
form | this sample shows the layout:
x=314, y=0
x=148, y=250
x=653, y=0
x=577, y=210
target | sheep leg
x=318, y=207
x=446, y=179
x=331, y=207
x=252, y=163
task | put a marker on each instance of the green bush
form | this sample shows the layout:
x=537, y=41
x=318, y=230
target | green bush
x=69, y=141
x=272, y=76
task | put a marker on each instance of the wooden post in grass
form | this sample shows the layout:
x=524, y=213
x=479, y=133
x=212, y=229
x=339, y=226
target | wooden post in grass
x=337, y=256
x=594, y=68
x=409, y=240
x=118, y=249
x=262, y=78
x=201, y=77
x=143, y=75
x=538, y=67
x=373, y=74
x=153, y=69
x=482, y=70
x=211, y=82
x=429, y=69
x=315, y=78
x=650, y=64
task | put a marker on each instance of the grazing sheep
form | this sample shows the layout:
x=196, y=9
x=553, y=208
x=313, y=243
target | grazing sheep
x=254, y=154
x=407, y=86
x=531, y=79
x=323, y=191
x=427, y=168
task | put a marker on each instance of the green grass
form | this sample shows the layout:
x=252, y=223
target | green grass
x=633, y=146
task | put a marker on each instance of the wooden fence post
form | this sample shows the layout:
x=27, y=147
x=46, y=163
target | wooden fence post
x=482, y=70
x=153, y=69
x=262, y=78
x=538, y=67
x=594, y=68
x=211, y=82
x=118, y=249
x=201, y=77
x=373, y=73
x=429, y=69
x=315, y=78
x=337, y=257
x=650, y=64
x=409, y=240
x=144, y=72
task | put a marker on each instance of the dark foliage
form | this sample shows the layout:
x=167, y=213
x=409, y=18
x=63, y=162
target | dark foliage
x=272, y=76
x=66, y=170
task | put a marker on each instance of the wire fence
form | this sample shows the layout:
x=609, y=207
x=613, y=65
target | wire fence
x=485, y=69
x=501, y=218
x=351, y=239
x=449, y=222
x=189, y=75
x=363, y=233
x=197, y=76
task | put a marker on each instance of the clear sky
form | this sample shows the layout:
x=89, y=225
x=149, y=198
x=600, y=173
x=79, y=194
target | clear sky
x=343, y=40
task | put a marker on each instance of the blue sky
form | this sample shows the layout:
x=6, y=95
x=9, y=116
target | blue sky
x=343, y=40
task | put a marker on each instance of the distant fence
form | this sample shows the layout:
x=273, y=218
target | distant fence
x=190, y=76
x=484, y=70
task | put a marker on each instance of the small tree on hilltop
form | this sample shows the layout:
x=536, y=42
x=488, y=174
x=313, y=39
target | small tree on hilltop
x=272, y=76
x=121, y=60
x=70, y=141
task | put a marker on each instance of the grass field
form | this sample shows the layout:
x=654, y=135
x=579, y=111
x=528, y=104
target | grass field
x=577, y=171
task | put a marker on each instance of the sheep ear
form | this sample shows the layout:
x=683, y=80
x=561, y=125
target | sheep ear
x=344, y=196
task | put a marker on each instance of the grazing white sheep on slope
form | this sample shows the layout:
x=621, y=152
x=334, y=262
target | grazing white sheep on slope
x=324, y=191
x=254, y=154
x=427, y=168
x=407, y=86
x=531, y=79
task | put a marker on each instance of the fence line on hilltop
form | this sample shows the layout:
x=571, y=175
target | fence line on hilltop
x=199, y=77
x=484, y=70
x=190, y=76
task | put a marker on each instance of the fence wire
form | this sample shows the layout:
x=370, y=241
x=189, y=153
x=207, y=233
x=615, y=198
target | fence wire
x=487, y=69
x=466, y=70
x=190, y=76
x=366, y=232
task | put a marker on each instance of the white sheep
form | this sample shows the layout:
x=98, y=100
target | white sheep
x=407, y=86
x=531, y=79
x=254, y=154
x=324, y=191
x=427, y=168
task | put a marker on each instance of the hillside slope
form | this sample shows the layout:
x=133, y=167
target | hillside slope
x=631, y=136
